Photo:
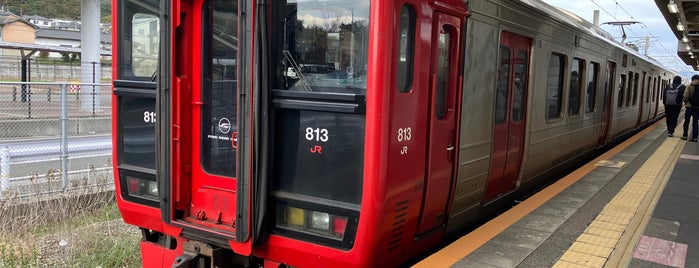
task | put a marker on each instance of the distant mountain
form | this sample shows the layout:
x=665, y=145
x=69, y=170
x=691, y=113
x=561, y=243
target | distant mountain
x=58, y=9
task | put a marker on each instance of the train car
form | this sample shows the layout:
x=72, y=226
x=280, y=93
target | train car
x=352, y=133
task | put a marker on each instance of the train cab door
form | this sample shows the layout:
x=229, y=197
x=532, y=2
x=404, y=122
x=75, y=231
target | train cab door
x=510, y=114
x=444, y=93
x=609, y=86
x=214, y=201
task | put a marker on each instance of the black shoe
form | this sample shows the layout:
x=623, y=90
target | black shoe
x=693, y=140
x=669, y=135
x=684, y=137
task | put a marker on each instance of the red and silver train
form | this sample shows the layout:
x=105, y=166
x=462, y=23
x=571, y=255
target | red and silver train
x=352, y=133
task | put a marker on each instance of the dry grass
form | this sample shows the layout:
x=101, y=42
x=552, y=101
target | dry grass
x=77, y=229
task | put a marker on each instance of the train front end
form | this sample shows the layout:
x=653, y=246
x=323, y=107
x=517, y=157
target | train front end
x=239, y=130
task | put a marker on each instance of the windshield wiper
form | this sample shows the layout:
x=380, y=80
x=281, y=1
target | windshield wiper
x=297, y=70
x=289, y=58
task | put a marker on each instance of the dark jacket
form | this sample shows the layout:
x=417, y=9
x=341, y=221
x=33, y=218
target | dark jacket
x=676, y=82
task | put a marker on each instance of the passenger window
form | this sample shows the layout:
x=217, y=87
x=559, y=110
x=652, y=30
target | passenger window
x=575, y=86
x=591, y=94
x=443, y=72
x=635, y=89
x=521, y=67
x=501, y=90
x=628, y=89
x=648, y=90
x=622, y=89
x=554, y=88
x=406, y=49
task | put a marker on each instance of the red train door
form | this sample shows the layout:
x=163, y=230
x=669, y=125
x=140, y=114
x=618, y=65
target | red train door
x=444, y=91
x=510, y=114
x=214, y=200
x=609, y=86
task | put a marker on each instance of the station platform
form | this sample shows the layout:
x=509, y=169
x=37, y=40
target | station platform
x=637, y=205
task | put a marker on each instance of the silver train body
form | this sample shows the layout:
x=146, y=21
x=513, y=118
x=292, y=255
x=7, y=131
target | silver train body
x=551, y=143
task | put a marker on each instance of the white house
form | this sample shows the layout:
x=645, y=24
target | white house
x=39, y=21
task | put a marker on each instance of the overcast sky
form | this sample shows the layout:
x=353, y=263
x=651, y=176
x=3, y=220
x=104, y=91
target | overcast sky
x=663, y=44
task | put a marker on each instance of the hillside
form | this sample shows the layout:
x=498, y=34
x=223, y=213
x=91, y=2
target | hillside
x=60, y=9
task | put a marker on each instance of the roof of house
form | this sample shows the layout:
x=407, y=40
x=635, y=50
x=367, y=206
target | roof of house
x=7, y=17
x=68, y=35
x=35, y=17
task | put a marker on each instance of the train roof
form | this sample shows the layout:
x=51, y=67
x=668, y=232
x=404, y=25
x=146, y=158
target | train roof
x=583, y=25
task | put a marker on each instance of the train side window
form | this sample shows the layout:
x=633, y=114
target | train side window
x=628, y=89
x=520, y=83
x=575, y=86
x=656, y=89
x=648, y=90
x=406, y=49
x=622, y=89
x=591, y=94
x=554, y=88
x=635, y=89
x=501, y=90
x=445, y=43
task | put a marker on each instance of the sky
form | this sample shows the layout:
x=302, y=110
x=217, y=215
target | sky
x=663, y=43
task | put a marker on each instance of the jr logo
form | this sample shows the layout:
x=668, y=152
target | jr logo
x=317, y=149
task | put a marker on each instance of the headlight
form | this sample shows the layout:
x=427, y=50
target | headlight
x=321, y=220
x=314, y=222
x=142, y=188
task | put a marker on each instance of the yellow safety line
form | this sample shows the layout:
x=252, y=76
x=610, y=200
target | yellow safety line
x=610, y=239
x=475, y=239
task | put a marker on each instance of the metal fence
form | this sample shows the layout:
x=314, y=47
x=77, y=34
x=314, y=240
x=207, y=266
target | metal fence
x=48, y=69
x=54, y=137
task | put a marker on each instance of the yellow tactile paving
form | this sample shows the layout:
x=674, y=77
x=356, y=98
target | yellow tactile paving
x=603, y=232
x=596, y=245
x=584, y=259
x=613, y=219
x=597, y=240
x=591, y=249
x=608, y=225
x=565, y=264
x=622, y=217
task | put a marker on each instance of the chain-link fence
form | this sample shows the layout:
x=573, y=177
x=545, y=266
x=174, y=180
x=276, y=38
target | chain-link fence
x=48, y=69
x=54, y=137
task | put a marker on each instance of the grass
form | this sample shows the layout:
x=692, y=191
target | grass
x=69, y=231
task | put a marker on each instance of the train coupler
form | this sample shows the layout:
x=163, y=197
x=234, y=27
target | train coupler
x=202, y=255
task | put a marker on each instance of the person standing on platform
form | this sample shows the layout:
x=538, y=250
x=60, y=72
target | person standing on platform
x=673, y=95
x=691, y=104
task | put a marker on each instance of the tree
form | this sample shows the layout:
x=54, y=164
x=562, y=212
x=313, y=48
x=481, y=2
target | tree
x=65, y=56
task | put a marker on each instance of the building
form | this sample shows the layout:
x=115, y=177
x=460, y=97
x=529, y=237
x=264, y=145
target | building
x=14, y=29
x=67, y=38
x=39, y=21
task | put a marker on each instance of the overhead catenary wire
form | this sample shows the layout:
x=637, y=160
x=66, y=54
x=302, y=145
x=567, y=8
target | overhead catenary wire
x=656, y=47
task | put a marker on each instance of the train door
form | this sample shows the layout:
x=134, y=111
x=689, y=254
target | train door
x=607, y=105
x=214, y=200
x=510, y=114
x=443, y=112
x=640, y=100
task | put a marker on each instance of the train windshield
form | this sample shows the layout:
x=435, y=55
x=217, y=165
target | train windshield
x=321, y=45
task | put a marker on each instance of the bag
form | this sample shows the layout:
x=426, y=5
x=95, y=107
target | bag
x=671, y=95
